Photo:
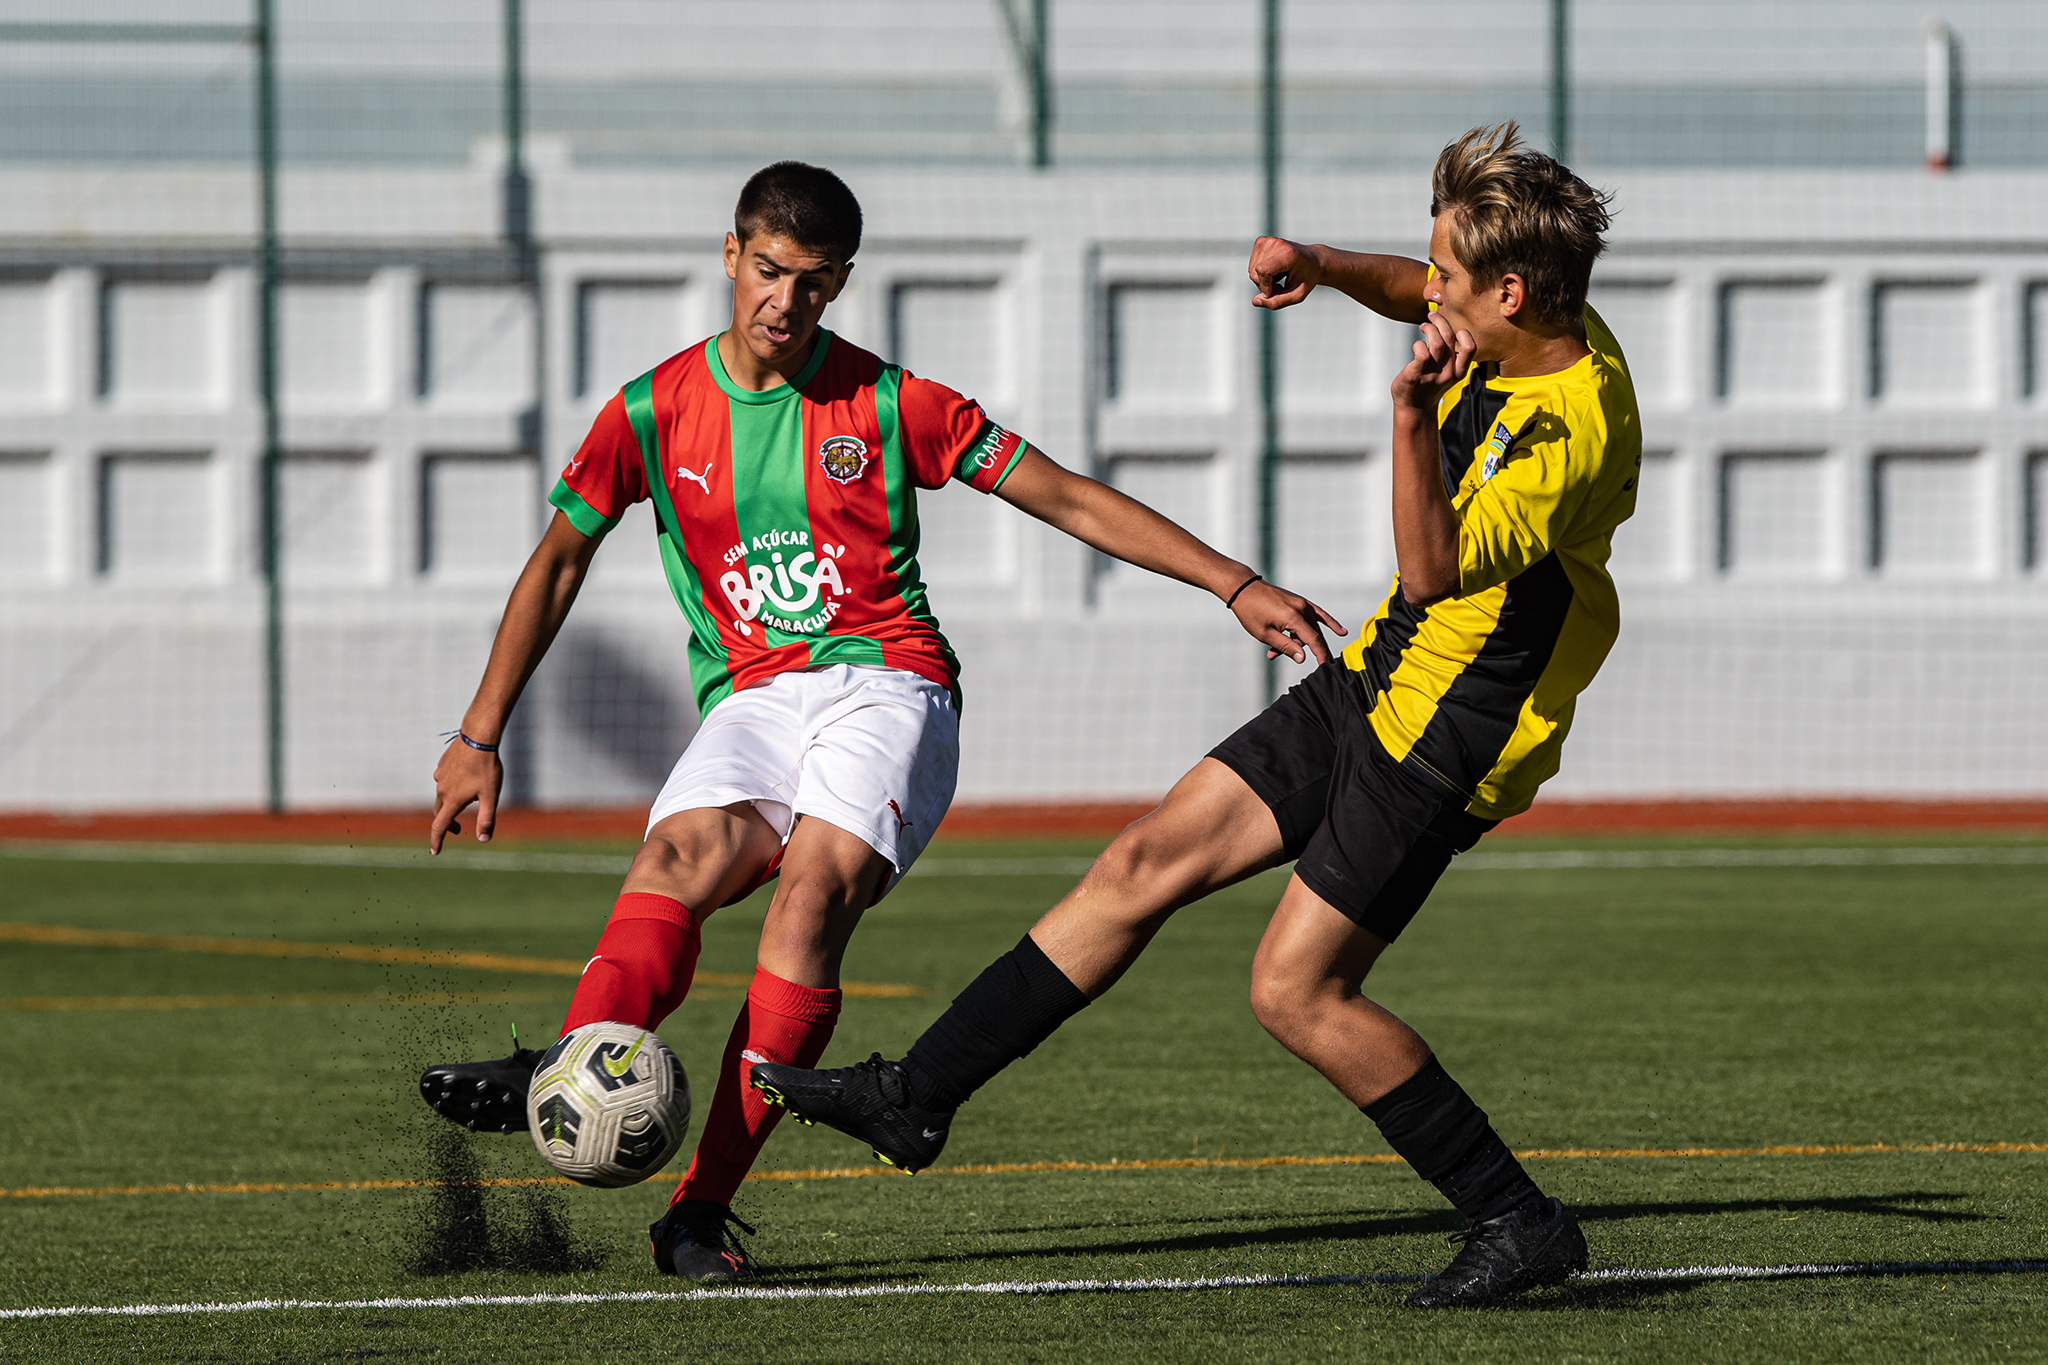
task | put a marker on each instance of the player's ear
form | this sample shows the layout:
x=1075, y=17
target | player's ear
x=732, y=256
x=839, y=281
x=1512, y=293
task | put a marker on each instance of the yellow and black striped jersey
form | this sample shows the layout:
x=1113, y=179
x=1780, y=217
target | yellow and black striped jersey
x=1477, y=690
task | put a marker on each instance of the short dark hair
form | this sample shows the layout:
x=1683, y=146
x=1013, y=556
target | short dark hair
x=1520, y=212
x=807, y=205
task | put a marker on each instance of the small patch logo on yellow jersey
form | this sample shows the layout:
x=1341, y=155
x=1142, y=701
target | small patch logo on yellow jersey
x=1496, y=451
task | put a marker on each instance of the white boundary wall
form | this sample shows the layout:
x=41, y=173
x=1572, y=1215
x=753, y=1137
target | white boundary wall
x=1834, y=583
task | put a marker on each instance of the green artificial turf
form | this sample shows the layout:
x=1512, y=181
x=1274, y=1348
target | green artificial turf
x=1666, y=1009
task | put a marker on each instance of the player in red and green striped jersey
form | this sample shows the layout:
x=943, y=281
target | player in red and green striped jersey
x=788, y=515
x=783, y=465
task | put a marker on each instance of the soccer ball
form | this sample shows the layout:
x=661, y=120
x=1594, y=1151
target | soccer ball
x=609, y=1105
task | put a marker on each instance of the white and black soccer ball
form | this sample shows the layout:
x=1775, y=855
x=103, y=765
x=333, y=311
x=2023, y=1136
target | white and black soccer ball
x=609, y=1105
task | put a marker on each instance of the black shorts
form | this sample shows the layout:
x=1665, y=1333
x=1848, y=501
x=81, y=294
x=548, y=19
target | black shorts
x=1366, y=836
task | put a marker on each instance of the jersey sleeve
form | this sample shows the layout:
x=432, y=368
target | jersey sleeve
x=946, y=437
x=605, y=476
x=1528, y=508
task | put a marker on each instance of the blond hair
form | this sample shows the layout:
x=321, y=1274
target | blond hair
x=1519, y=212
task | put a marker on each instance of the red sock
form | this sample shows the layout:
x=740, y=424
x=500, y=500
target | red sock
x=781, y=1022
x=642, y=966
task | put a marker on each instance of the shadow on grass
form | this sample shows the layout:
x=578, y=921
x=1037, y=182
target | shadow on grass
x=1347, y=1230
x=1213, y=1220
x=1357, y=1227
x=1580, y=1296
x=1878, y=1205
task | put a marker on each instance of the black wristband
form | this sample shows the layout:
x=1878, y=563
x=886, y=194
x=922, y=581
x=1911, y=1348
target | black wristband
x=480, y=748
x=1231, y=601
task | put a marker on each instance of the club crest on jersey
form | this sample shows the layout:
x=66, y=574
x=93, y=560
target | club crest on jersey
x=844, y=458
x=1497, y=447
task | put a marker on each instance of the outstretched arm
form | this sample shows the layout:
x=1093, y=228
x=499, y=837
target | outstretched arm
x=539, y=604
x=1286, y=272
x=1098, y=515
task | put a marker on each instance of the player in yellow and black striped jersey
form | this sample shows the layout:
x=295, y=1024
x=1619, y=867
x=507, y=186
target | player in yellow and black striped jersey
x=1476, y=690
x=1514, y=451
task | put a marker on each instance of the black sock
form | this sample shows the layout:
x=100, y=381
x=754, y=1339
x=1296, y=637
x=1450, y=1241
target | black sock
x=1436, y=1128
x=1013, y=1006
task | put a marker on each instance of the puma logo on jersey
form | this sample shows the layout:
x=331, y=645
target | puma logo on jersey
x=702, y=481
x=901, y=823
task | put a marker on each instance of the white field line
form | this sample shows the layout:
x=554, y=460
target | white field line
x=1668, y=1274
x=613, y=865
x=1000, y=867
x=1572, y=859
x=454, y=859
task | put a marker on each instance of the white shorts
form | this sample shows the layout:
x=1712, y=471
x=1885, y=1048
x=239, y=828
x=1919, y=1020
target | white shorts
x=874, y=751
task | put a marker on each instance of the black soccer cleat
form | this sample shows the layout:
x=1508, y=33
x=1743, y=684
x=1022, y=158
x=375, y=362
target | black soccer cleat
x=869, y=1100
x=484, y=1097
x=694, y=1239
x=1537, y=1244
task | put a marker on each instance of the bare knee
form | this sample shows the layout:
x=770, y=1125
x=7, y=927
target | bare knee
x=810, y=920
x=1137, y=856
x=821, y=892
x=667, y=853
x=702, y=858
x=1164, y=858
x=1210, y=831
x=1132, y=889
x=1289, y=1005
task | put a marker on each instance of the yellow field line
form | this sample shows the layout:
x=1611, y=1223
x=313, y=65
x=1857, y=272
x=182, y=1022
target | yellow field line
x=261, y=1187
x=272, y=947
x=33, y=1003
x=364, y=952
x=1038, y=1167
x=1389, y=1159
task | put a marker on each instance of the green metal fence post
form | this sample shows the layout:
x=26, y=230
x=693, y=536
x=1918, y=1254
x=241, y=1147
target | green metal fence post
x=1041, y=86
x=1028, y=38
x=1560, y=80
x=518, y=192
x=524, y=252
x=1269, y=338
x=266, y=371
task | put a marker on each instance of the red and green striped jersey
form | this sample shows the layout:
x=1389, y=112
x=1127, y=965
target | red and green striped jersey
x=787, y=519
